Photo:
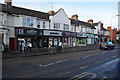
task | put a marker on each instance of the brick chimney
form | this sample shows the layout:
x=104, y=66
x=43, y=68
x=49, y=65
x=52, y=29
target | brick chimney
x=90, y=21
x=75, y=17
x=51, y=12
x=109, y=28
x=8, y=2
x=115, y=29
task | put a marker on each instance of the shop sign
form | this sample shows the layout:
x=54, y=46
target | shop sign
x=69, y=34
x=90, y=35
x=21, y=31
x=96, y=36
x=81, y=35
x=52, y=33
x=31, y=32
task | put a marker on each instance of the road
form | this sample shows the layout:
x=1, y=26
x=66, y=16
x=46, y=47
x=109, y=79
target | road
x=85, y=65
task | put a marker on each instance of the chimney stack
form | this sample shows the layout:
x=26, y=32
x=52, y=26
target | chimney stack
x=75, y=17
x=8, y=2
x=51, y=12
x=90, y=21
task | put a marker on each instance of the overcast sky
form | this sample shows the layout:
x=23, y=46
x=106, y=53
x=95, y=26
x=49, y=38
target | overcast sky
x=98, y=10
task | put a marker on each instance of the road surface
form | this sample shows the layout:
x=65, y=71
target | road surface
x=85, y=65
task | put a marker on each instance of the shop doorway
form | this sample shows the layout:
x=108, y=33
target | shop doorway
x=12, y=44
x=21, y=43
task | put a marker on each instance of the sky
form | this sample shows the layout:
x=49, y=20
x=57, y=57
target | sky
x=98, y=10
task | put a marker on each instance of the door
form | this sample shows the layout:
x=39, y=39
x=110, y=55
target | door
x=12, y=44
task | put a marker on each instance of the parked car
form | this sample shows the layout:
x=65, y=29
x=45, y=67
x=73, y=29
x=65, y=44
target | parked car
x=107, y=45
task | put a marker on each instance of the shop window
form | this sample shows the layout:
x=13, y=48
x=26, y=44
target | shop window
x=50, y=41
x=65, y=40
x=88, y=41
x=38, y=24
x=59, y=40
x=84, y=42
x=55, y=41
x=80, y=42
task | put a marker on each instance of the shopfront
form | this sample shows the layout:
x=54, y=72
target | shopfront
x=81, y=39
x=28, y=35
x=96, y=39
x=52, y=38
x=3, y=32
x=90, y=39
x=69, y=39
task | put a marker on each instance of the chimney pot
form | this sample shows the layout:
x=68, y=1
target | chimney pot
x=8, y=2
x=90, y=21
x=51, y=12
x=75, y=17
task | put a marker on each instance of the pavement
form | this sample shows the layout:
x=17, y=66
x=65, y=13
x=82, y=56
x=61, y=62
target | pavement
x=83, y=65
x=17, y=54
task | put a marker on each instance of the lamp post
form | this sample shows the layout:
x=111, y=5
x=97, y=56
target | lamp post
x=111, y=24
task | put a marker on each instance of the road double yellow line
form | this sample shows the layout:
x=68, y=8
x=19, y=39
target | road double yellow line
x=83, y=75
x=83, y=67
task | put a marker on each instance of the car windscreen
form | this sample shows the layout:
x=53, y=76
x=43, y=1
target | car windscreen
x=110, y=43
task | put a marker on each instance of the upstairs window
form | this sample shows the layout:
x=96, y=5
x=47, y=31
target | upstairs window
x=83, y=29
x=88, y=30
x=38, y=24
x=1, y=19
x=43, y=24
x=56, y=25
x=66, y=27
x=72, y=28
x=28, y=22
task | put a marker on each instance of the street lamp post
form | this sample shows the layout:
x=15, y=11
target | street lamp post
x=111, y=24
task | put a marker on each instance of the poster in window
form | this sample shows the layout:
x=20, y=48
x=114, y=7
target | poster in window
x=21, y=31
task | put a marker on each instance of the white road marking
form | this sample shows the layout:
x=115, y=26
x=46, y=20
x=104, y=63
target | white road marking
x=66, y=60
x=52, y=63
x=58, y=62
x=40, y=65
x=84, y=57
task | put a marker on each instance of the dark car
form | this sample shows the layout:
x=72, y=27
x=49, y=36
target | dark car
x=107, y=45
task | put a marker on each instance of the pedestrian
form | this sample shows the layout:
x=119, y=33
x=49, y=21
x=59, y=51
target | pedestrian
x=30, y=45
x=25, y=46
x=60, y=46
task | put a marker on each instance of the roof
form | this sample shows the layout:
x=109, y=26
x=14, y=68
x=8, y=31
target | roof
x=95, y=24
x=81, y=23
x=23, y=11
x=58, y=11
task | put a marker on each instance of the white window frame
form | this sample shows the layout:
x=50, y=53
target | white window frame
x=37, y=24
